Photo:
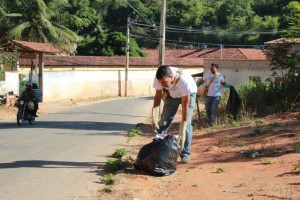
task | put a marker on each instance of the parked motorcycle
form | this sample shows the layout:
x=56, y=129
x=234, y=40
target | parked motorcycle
x=24, y=114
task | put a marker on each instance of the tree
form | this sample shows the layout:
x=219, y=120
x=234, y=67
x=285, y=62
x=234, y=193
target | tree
x=38, y=21
x=108, y=44
x=234, y=8
x=292, y=18
x=283, y=58
x=91, y=20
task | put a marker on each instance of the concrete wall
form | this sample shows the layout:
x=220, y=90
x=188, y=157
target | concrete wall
x=238, y=72
x=11, y=83
x=74, y=84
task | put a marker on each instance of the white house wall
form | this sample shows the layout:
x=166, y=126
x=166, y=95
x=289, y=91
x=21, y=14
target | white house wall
x=11, y=83
x=238, y=72
x=73, y=84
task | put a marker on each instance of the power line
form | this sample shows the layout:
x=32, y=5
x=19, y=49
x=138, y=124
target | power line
x=178, y=29
x=198, y=44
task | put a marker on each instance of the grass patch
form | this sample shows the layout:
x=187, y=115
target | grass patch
x=296, y=168
x=107, y=190
x=108, y=179
x=134, y=132
x=221, y=170
x=235, y=123
x=266, y=161
x=119, y=153
x=114, y=165
x=296, y=147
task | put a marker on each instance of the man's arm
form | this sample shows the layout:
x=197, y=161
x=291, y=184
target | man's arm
x=185, y=107
x=157, y=98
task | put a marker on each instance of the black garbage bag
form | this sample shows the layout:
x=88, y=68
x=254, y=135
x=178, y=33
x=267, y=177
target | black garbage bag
x=234, y=103
x=159, y=158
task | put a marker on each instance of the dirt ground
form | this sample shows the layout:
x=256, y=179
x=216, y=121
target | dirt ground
x=223, y=166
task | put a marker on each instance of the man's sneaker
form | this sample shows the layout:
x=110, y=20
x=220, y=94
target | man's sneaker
x=160, y=136
x=185, y=159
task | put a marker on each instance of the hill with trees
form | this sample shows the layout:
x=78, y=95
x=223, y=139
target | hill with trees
x=98, y=27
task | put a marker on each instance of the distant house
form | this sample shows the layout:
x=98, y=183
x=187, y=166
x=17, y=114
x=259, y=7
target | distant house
x=294, y=42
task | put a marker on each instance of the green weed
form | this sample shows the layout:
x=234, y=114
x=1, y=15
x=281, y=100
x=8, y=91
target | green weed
x=296, y=147
x=134, y=132
x=108, y=179
x=221, y=170
x=266, y=161
x=107, y=190
x=119, y=153
x=114, y=165
x=234, y=123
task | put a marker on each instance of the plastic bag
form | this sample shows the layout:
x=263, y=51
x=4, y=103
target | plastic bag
x=30, y=105
x=159, y=158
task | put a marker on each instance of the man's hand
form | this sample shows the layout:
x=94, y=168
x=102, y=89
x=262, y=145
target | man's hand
x=182, y=133
x=155, y=115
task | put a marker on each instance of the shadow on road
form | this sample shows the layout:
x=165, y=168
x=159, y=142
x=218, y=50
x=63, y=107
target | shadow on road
x=50, y=164
x=72, y=125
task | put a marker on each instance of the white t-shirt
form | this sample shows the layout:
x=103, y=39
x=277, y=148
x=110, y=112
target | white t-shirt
x=185, y=86
x=215, y=86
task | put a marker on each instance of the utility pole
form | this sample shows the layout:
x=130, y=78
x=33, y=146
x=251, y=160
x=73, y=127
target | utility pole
x=162, y=32
x=127, y=55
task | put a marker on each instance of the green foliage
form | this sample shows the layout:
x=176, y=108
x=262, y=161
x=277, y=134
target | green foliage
x=266, y=97
x=234, y=123
x=292, y=19
x=282, y=58
x=60, y=22
x=108, y=179
x=39, y=21
x=114, y=165
x=296, y=147
x=134, y=132
x=119, y=153
x=108, y=44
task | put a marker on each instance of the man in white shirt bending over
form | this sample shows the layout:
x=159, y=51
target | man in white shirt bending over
x=182, y=90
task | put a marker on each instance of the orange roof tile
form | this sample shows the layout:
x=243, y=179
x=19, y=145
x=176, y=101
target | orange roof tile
x=113, y=61
x=284, y=40
x=35, y=47
x=212, y=53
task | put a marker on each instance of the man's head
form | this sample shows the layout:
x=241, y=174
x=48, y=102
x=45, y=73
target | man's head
x=214, y=68
x=28, y=86
x=164, y=75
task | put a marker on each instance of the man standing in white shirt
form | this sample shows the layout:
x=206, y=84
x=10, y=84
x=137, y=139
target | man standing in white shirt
x=213, y=80
x=182, y=90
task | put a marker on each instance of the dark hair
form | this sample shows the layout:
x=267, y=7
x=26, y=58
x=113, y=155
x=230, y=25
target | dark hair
x=163, y=71
x=215, y=65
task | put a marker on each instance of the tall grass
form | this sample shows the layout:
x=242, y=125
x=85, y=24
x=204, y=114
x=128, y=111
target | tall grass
x=261, y=98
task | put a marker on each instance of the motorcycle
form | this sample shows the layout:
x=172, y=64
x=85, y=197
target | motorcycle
x=24, y=114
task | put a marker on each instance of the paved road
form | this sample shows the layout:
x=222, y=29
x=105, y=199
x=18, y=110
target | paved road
x=61, y=157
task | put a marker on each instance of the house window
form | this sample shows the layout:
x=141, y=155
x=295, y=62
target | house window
x=254, y=78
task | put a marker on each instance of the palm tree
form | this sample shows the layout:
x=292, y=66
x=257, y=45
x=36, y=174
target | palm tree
x=38, y=21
